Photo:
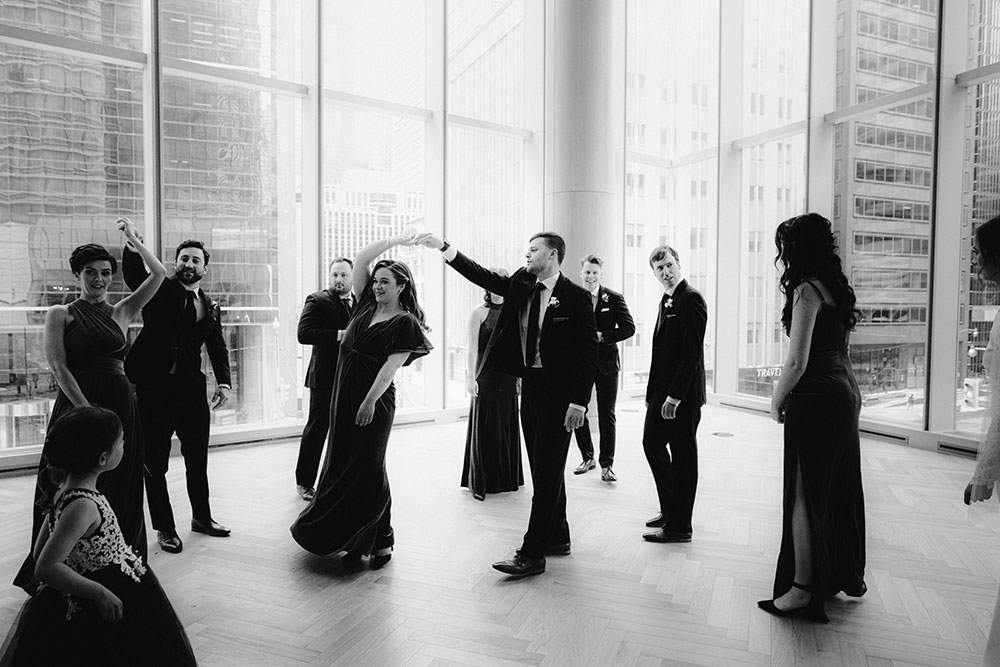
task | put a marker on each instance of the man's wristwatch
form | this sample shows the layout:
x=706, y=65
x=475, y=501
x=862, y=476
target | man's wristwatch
x=444, y=245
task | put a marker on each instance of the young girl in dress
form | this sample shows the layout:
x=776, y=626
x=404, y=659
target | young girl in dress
x=98, y=603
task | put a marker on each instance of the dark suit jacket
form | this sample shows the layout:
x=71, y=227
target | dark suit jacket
x=568, y=341
x=323, y=315
x=166, y=341
x=615, y=324
x=678, y=366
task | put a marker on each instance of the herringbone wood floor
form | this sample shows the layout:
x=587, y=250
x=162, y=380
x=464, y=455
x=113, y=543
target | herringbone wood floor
x=257, y=599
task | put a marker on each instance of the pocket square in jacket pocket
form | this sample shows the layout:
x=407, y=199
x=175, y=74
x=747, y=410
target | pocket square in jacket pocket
x=559, y=319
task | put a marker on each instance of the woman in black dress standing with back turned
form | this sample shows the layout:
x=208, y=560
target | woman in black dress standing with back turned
x=817, y=399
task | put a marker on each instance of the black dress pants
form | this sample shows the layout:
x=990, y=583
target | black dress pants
x=676, y=478
x=175, y=406
x=314, y=436
x=543, y=413
x=606, y=387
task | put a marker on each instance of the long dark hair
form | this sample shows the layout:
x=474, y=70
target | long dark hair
x=407, y=297
x=807, y=249
x=988, y=240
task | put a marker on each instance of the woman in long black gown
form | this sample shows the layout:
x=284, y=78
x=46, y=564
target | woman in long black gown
x=493, y=439
x=85, y=345
x=351, y=509
x=823, y=529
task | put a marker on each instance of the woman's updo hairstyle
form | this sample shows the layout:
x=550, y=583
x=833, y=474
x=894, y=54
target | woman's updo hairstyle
x=91, y=252
x=77, y=438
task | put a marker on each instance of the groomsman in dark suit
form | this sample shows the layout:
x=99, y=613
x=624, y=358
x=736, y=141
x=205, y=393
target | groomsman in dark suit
x=674, y=396
x=545, y=335
x=614, y=324
x=322, y=323
x=164, y=364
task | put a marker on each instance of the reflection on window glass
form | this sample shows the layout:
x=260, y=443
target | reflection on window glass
x=375, y=48
x=231, y=173
x=774, y=167
x=72, y=163
x=108, y=22
x=373, y=186
x=248, y=35
x=671, y=113
x=884, y=224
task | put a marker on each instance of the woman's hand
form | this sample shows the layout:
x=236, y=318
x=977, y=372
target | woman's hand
x=778, y=412
x=108, y=606
x=975, y=493
x=127, y=227
x=365, y=413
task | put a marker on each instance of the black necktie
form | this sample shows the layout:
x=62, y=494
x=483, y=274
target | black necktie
x=347, y=304
x=531, y=344
x=190, y=313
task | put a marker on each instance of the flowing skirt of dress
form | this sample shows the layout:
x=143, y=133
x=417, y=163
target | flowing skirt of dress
x=122, y=486
x=352, y=507
x=822, y=441
x=148, y=634
x=493, y=438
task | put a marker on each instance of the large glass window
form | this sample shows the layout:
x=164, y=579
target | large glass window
x=71, y=162
x=671, y=171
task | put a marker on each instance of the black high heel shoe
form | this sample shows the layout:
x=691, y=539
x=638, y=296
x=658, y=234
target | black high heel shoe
x=807, y=611
x=380, y=558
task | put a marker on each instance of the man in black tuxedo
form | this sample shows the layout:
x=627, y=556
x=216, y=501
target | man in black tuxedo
x=674, y=395
x=322, y=323
x=164, y=364
x=545, y=335
x=614, y=324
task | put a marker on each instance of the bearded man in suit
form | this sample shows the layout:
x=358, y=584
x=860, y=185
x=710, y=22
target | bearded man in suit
x=675, y=393
x=545, y=334
x=322, y=323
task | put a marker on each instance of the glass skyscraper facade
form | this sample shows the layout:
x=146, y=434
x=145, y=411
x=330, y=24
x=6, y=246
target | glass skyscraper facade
x=284, y=135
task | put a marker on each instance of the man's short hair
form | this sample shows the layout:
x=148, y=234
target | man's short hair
x=591, y=259
x=659, y=252
x=554, y=242
x=335, y=260
x=192, y=243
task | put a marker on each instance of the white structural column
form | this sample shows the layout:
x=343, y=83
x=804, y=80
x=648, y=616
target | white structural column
x=731, y=104
x=949, y=215
x=822, y=100
x=584, y=127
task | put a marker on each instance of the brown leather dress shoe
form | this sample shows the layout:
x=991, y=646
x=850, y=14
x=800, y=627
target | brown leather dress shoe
x=669, y=536
x=210, y=528
x=520, y=566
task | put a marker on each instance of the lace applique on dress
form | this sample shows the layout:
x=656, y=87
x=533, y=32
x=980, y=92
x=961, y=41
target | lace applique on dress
x=104, y=548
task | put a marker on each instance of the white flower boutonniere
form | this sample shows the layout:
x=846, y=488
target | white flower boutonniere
x=604, y=297
x=669, y=303
x=553, y=302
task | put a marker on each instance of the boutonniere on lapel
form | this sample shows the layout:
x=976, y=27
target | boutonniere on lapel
x=214, y=308
x=669, y=303
x=604, y=297
x=553, y=302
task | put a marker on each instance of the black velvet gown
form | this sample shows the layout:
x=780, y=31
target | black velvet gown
x=493, y=439
x=821, y=439
x=95, y=354
x=351, y=509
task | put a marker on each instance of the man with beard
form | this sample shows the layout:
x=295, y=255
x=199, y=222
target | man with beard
x=322, y=323
x=165, y=366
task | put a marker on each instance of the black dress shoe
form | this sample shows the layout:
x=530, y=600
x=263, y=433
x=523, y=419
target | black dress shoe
x=658, y=521
x=381, y=558
x=169, y=542
x=806, y=611
x=856, y=590
x=210, y=528
x=669, y=536
x=520, y=566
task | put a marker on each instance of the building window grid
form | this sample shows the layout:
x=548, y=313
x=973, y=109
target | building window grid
x=883, y=172
x=889, y=279
x=894, y=209
x=896, y=31
x=894, y=67
x=867, y=134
